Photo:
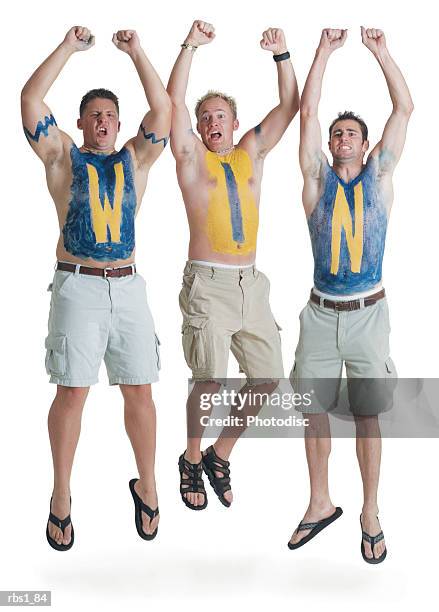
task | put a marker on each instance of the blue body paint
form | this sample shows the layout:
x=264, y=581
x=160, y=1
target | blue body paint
x=235, y=204
x=258, y=129
x=79, y=235
x=42, y=128
x=346, y=282
x=151, y=136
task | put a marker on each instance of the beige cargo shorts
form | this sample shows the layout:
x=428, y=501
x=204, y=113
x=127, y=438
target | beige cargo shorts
x=228, y=309
x=359, y=339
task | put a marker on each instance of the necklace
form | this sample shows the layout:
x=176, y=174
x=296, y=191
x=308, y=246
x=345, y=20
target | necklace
x=90, y=150
x=225, y=151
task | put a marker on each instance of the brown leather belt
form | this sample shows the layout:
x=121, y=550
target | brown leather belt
x=370, y=300
x=103, y=272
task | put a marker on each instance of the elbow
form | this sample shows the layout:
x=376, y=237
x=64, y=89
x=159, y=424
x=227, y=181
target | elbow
x=307, y=111
x=404, y=108
x=24, y=96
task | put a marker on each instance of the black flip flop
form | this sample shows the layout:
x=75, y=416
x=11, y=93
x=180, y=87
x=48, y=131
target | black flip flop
x=372, y=541
x=315, y=528
x=62, y=524
x=140, y=507
x=220, y=484
x=193, y=483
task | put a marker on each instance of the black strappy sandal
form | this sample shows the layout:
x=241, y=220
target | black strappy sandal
x=140, y=507
x=211, y=464
x=193, y=483
x=315, y=528
x=62, y=524
x=372, y=541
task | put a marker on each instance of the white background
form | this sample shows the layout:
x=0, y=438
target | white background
x=216, y=558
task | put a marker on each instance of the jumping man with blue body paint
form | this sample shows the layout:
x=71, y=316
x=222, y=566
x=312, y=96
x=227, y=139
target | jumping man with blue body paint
x=98, y=306
x=224, y=299
x=347, y=205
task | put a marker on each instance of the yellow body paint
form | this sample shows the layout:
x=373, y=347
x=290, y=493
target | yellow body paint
x=232, y=216
x=105, y=216
x=341, y=218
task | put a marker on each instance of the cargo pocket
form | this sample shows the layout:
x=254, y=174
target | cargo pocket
x=55, y=355
x=157, y=350
x=195, y=343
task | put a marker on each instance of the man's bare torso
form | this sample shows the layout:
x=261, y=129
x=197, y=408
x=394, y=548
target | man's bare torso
x=221, y=196
x=80, y=191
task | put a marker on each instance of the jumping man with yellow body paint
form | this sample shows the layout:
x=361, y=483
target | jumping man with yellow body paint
x=224, y=299
x=98, y=307
x=347, y=205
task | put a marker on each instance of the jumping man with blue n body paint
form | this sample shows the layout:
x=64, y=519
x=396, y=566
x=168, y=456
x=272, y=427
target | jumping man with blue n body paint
x=224, y=299
x=347, y=206
x=98, y=307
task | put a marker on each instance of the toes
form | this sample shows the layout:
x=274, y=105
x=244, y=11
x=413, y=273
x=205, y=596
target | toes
x=55, y=533
x=379, y=549
x=67, y=535
x=228, y=495
x=368, y=550
x=149, y=526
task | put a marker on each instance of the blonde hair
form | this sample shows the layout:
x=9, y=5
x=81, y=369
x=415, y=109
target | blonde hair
x=212, y=93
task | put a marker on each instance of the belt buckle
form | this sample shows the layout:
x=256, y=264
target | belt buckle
x=338, y=306
x=105, y=271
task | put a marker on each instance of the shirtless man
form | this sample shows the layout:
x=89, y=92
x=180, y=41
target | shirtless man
x=346, y=320
x=98, y=306
x=224, y=299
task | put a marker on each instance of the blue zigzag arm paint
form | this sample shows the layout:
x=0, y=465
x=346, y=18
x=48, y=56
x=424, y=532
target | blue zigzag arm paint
x=42, y=128
x=151, y=136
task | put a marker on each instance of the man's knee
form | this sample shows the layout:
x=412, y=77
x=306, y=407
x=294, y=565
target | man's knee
x=71, y=397
x=367, y=427
x=136, y=395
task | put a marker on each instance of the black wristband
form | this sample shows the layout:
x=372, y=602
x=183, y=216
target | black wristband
x=282, y=56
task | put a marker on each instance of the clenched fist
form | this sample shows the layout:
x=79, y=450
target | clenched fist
x=200, y=33
x=79, y=38
x=332, y=39
x=373, y=39
x=273, y=40
x=126, y=40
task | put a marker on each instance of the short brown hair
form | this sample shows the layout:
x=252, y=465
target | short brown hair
x=98, y=93
x=212, y=93
x=350, y=115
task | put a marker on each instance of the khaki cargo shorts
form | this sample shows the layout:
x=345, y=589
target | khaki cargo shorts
x=93, y=318
x=228, y=309
x=357, y=338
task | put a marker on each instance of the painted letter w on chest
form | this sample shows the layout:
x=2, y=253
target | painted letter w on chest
x=106, y=218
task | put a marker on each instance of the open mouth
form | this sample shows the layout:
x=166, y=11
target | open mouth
x=215, y=136
x=102, y=131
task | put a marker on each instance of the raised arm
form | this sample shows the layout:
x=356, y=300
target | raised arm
x=154, y=130
x=183, y=139
x=39, y=124
x=389, y=149
x=261, y=139
x=311, y=156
